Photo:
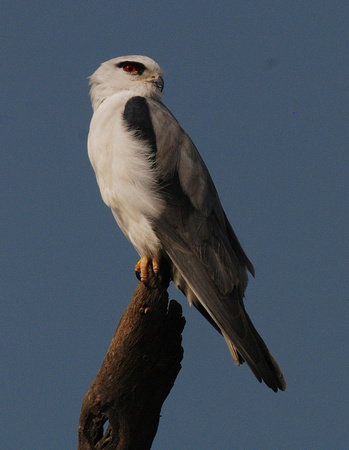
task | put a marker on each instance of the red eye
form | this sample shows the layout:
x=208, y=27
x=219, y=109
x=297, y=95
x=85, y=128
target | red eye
x=129, y=68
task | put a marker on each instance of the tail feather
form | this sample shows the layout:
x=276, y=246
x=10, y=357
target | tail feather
x=230, y=318
x=243, y=340
x=270, y=370
x=237, y=358
x=266, y=368
x=227, y=313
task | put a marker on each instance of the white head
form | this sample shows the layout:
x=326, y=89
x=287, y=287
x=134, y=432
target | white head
x=135, y=73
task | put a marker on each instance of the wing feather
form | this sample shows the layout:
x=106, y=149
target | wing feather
x=200, y=242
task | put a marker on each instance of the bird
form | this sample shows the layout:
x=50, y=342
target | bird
x=163, y=198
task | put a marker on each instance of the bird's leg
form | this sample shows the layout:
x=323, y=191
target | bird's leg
x=141, y=268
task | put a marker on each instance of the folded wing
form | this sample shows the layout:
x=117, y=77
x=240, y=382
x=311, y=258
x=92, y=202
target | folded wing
x=200, y=242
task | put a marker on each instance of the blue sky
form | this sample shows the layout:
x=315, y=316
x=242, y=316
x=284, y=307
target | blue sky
x=262, y=89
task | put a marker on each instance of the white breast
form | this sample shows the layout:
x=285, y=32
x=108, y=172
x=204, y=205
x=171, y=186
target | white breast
x=123, y=169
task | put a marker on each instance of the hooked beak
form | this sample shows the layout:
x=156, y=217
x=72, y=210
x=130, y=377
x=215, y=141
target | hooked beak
x=158, y=82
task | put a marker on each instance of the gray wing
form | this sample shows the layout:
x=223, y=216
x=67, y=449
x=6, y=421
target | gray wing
x=202, y=245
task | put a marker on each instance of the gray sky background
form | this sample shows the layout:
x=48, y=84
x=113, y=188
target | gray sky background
x=262, y=89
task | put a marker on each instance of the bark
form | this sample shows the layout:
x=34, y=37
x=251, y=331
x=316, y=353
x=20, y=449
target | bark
x=122, y=407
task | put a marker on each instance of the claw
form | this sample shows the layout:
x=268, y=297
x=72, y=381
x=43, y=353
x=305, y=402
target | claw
x=156, y=266
x=141, y=268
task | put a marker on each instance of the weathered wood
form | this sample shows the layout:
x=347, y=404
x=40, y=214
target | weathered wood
x=122, y=407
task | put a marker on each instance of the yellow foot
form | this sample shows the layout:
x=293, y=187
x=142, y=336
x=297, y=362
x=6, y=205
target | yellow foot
x=141, y=268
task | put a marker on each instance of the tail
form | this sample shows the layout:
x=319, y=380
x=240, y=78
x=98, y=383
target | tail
x=249, y=346
x=261, y=362
x=226, y=312
x=230, y=318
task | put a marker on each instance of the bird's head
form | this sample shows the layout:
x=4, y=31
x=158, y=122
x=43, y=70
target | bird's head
x=135, y=73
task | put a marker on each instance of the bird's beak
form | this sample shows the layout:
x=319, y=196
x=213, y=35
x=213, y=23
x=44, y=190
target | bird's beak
x=158, y=82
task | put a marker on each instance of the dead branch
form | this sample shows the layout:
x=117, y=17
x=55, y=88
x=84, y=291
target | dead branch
x=122, y=407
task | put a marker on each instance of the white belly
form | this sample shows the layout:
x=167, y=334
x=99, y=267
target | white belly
x=124, y=174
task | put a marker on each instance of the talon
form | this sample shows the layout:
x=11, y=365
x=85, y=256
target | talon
x=137, y=272
x=141, y=268
x=156, y=266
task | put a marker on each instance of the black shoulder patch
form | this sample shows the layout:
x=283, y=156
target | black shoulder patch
x=137, y=118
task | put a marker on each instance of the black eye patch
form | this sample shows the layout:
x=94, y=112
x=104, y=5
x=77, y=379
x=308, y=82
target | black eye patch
x=140, y=68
